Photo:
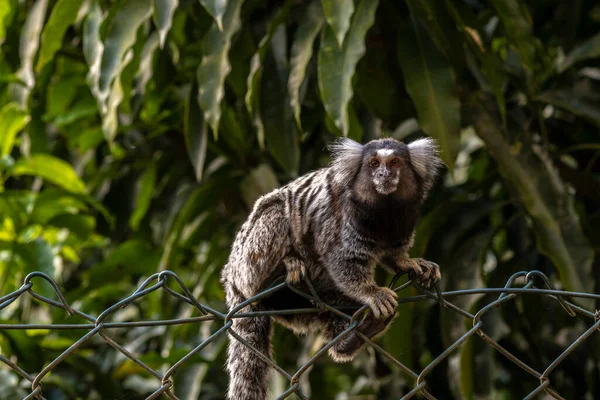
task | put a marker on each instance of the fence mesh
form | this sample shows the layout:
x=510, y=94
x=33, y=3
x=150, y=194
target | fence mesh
x=520, y=284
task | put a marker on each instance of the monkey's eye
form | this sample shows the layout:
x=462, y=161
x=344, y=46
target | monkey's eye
x=395, y=162
x=374, y=163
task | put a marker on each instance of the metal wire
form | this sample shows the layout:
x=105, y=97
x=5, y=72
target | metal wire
x=97, y=325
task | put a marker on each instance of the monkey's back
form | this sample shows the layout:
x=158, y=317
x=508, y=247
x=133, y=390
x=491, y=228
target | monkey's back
x=302, y=218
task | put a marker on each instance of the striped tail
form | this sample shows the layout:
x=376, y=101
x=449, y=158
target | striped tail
x=248, y=374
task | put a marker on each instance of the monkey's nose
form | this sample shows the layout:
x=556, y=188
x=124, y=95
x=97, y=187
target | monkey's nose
x=383, y=174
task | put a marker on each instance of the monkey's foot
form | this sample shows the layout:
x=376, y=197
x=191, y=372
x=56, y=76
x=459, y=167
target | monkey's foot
x=370, y=327
x=296, y=271
x=383, y=302
x=424, y=272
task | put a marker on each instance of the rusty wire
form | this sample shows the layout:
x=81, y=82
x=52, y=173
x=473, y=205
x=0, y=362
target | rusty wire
x=96, y=325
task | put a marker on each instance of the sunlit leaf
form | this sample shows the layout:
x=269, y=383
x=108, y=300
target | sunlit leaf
x=430, y=83
x=12, y=120
x=145, y=70
x=52, y=202
x=93, y=46
x=215, y=64
x=195, y=132
x=336, y=65
x=6, y=12
x=163, y=16
x=28, y=47
x=51, y=169
x=144, y=197
x=62, y=16
x=301, y=52
x=338, y=14
x=120, y=37
x=216, y=8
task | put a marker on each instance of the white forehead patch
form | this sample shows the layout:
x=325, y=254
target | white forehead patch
x=385, y=152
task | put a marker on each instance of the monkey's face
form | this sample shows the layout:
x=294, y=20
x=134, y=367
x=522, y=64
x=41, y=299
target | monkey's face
x=387, y=163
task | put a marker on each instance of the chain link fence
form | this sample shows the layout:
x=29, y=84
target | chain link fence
x=95, y=326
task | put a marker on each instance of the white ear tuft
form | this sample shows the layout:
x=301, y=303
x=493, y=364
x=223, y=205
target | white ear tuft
x=424, y=157
x=346, y=159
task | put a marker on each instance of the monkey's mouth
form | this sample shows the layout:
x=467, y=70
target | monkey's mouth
x=387, y=186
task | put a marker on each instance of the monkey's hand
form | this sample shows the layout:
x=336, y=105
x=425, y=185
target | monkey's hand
x=295, y=270
x=422, y=271
x=383, y=302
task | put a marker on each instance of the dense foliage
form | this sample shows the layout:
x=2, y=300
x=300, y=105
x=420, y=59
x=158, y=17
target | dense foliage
x=136, y=134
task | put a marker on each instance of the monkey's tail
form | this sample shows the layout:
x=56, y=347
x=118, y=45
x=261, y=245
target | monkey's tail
x=248, y=374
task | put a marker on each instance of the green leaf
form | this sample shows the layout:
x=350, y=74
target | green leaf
x=215, y=66
x=37, y=255
x=12, y=120
x=258, y=182
x=51, y=169
x=281, y=133
x=429, y=81
x=302, y=50
x=574, y=103
x=441, y=28
x=144, y=196
x=547, y=200
x=133, y=256
x=6, y=13
x=93, y=47
x=120, y=37
x=53, y=202
x=28, y=47
x=338, y=14
x=195, y=132
x=163, y=17
x=336, y=65
x=588, y=49
x=62, y=16
x=216, y=9
x=519, y=29
x=254, y=77
x=81, y=225
x=146, y=67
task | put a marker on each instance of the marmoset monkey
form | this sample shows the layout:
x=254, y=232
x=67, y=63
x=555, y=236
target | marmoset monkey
x=332, y=225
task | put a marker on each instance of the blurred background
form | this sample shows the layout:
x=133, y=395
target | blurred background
x=135, y=136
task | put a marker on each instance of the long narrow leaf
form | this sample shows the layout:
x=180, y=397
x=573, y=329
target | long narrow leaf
x=338, y=14
x=430, y=83
x=28, y=47
x=337, y=65
x=255, y=74
x=195, y=132
x=62, y=16
x=586, y=50
x=215, y=66
x=163, y=16
x=120, y=37
x=216, y=9
x=302, y=50
x=12, y=120
x=545, y=197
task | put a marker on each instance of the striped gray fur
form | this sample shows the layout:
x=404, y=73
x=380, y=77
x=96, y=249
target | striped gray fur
x=333, y=225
